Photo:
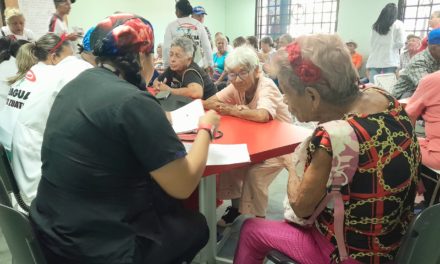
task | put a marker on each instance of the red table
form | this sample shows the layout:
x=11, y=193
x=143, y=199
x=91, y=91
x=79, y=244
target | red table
x=264, y=141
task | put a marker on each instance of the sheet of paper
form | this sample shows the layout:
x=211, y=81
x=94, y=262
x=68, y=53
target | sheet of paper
x=224, y=154
x=187, y=117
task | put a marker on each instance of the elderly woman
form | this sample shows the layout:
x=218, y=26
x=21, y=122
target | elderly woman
x=15, y=25
x=219, y=57
x=112, y=174
x=184, y=77
x=364, y=153
x=425, y=103
x=250, y=96
x=266, y=44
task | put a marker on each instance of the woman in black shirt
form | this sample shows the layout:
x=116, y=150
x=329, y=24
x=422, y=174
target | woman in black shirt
x=113, y=168
x=184, y=77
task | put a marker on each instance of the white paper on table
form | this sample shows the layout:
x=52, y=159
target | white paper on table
x=186, y=118
x=224, y=154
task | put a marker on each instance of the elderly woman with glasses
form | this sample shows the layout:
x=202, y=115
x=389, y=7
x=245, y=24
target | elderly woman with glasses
x=253, y=97
x=352, y=183
x=183, y=76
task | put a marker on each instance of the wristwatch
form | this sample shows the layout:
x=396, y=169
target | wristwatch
x=209, y=128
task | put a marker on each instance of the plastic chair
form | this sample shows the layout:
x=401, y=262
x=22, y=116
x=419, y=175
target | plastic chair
x=20, y=237
x=8, y=179
x=279, y=258
x=385, y=81
x=437, y=184
x=420, y=244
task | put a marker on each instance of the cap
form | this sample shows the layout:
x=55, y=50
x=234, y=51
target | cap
x=86, y=40
x=434, y=37
x=122, y=33
x=199, y=10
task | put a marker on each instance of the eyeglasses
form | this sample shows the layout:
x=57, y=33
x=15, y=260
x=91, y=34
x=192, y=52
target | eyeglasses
x=243, y=75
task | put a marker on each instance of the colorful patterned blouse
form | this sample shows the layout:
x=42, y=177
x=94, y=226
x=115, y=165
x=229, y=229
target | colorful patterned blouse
x=379, y=200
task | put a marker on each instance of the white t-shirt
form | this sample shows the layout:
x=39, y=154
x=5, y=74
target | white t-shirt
x=18, y=95
x=385, y=48
x=7, y=70
x=27, y=34
x=28, y=134
x=187, y=26
x=57, y=25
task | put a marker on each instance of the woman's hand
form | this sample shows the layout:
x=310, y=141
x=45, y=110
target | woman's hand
x=161, y=86
x=210, y=118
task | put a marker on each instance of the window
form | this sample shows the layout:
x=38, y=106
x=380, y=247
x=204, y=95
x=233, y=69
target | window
x=297, y=17
x=416, y=13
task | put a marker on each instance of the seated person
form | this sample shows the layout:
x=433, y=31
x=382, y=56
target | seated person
x=423, y=63
x=239, y=41
x=356, y=58
x=15, y=25
x=362, y=133
x=425, y=103
x=184, y=77
x=35, y=67
x=8, y=66
x=284, y=40
x=412, y=46
x=85, y=50
x=220, y=75
x=158, y=59
x=266, y=44
x=250, y=96
x=31, y=122
x=113, y=168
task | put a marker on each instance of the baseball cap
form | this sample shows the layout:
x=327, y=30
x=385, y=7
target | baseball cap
x=434, y=37
x=199, y=10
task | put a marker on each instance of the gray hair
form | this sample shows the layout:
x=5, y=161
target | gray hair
x=286, y=38
x=243, y=56
x=338, y=78
x=186, y=44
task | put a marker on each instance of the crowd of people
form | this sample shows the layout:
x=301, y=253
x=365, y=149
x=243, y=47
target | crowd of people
x=96, y=157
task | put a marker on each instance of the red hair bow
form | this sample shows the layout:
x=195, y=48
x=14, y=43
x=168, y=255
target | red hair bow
x=304, y=69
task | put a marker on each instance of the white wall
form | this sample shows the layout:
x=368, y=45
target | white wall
x=355, y=19
x=240, y=18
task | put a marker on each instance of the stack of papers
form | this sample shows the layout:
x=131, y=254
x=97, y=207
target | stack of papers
x=224, y=154
x=186, y=118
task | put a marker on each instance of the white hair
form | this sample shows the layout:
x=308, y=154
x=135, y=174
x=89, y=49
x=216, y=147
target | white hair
x=243, y=56
x=186, y=44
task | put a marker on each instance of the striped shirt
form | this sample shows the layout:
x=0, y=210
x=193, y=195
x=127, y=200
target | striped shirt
x=420, y=65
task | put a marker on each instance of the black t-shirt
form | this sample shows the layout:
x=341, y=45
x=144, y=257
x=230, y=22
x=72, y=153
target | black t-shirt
x=194, y=74
x=102, y=139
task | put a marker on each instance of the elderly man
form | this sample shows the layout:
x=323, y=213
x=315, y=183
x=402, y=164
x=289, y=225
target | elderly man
x=199, y=15
x=425, y=62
